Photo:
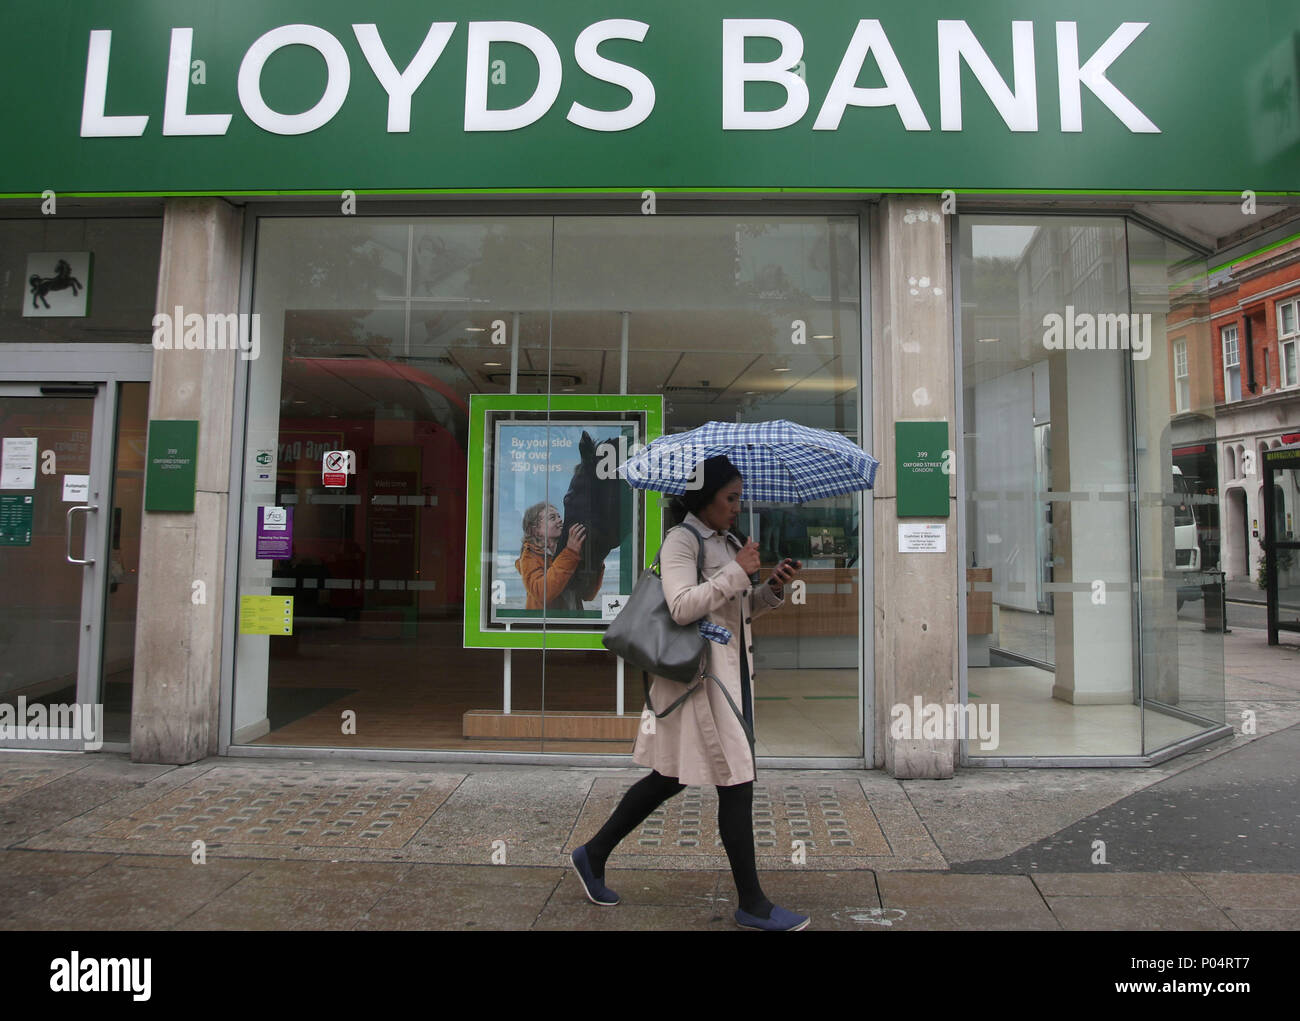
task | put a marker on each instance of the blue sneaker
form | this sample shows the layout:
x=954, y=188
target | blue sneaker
x=596, y=891
x=781, y=921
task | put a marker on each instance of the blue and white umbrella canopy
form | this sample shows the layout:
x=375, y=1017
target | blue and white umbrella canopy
x=780, y=461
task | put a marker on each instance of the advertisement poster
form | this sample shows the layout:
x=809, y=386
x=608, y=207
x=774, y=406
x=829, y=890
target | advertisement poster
x=546, y=476
x=559, y=535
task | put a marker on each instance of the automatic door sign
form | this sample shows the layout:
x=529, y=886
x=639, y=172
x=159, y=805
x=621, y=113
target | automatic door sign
x=336, y=466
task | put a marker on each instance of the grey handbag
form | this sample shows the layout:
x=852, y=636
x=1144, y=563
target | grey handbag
x=645, y=634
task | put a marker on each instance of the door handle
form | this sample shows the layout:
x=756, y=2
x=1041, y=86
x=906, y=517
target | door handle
x=68, y=535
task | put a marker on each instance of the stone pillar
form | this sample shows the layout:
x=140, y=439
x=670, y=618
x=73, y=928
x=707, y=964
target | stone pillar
x=176, y=702
x=912, y=372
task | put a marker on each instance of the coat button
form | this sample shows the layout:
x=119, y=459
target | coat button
x=748, y=620
x=751, y=648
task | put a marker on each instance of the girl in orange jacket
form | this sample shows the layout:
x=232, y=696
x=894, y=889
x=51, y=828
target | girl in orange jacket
x=549, y=586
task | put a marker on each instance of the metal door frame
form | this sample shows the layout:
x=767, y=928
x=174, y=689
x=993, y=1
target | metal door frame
x=25, y=369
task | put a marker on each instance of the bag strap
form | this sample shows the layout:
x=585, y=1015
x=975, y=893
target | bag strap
x=740, y=718
x=699, y=560
x=645, y=676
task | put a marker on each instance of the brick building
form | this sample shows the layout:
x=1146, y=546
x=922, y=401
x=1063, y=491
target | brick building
x=1255, y=353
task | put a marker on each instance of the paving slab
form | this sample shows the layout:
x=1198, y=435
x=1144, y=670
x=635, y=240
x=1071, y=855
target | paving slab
x=1261, y=890
x=1115, y=884
x=116, y=897
x=911, y=890
x=687, y=888
x=464, y=907
x=1274, y=919
x=979, y=918
x=570, y=915
x=1144, y=913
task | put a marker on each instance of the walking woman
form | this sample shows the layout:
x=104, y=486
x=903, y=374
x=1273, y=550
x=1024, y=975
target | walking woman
x=703, y=741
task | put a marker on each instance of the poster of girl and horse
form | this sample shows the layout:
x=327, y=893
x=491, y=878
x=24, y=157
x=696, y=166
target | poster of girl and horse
x=563, y=524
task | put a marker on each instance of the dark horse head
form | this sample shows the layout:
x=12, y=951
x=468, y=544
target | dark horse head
x=596, y=503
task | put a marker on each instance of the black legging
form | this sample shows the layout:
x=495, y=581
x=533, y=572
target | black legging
x=735, y=825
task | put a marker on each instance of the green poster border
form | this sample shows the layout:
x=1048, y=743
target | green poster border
x=476, y=637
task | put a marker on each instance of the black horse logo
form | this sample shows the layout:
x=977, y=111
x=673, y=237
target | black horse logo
x=61, y=281
x=596, y=503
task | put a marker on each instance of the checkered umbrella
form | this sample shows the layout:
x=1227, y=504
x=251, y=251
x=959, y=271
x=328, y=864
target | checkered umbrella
x=780, y=461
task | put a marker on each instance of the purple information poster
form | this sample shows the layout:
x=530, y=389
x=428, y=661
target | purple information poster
x=274, y=533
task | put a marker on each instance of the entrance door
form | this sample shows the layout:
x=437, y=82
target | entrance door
x=69, y=507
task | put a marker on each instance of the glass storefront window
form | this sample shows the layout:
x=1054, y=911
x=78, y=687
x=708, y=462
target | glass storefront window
x=376, y=332
x=1082, y=578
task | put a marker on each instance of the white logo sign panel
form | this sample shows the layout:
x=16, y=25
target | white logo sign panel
x=58, y=285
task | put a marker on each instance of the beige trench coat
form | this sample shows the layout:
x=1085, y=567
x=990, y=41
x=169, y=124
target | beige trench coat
x=701, y=741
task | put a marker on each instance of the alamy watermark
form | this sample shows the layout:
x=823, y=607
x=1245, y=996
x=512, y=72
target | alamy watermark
x=1101, y=331
x=946, y=722
x=215, y=331
x=77, y=974
x=681, y=462
x=56, y=722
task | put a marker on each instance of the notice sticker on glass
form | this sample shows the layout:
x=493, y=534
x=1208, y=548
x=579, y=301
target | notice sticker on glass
x=274, y=533
x=262, y=465
x=76, y=488
x=18, y=462
x=15, y=520
x=266, y=615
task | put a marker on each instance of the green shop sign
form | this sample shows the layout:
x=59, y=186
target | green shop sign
x=171, y=467
x=327, y=96
x=923, y=462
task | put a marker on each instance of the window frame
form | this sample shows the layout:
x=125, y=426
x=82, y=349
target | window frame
x=1182, y=380
x=1236, y=364
x=1288, y=343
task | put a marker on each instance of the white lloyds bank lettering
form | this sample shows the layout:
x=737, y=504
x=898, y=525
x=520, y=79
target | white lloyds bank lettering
x=482, y=34
x=638, y=85
x=176, y=119
x=401, y=86
x=338, y=78
x=1018, y=107
x=736, y=72
x=957, y=48
x=1071, y=75
x=95, y=123
x=870, y=38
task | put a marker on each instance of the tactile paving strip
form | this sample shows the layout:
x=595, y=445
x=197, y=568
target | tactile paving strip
x=830, y=817
x=249, y=807
x=15, y=781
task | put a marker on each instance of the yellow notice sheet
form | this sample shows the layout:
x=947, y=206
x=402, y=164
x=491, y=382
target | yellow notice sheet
x=266, y=615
